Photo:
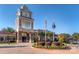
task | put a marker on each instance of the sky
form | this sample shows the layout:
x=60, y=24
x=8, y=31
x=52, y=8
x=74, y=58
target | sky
x=65, y=16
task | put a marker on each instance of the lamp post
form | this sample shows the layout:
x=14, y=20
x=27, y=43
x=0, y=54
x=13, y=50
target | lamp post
x=53, y=27
x=45, y=25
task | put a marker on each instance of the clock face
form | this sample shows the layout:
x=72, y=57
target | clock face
x=26, y=25
x=25, y=14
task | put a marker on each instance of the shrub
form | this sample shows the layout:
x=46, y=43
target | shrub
x=52, y=46
x=56, y=43
x=56, y=47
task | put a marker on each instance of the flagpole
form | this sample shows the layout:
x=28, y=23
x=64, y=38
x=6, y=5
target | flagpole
x=45, y=22
x=53, y=26
x=45, y=36
x=53, y=35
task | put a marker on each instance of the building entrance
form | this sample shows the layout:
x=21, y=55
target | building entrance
x=25, y=38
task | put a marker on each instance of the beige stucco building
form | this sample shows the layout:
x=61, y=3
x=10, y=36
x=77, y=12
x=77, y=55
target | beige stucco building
x=24, y=24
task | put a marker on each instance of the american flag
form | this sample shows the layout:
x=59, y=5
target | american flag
x=53, y=25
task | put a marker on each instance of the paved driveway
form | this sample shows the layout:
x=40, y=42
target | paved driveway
x=27, y=49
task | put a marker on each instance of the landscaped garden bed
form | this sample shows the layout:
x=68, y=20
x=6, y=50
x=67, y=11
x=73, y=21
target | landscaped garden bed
x=55, y=45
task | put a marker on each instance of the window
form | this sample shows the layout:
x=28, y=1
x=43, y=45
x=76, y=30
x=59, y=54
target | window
x=1, y=38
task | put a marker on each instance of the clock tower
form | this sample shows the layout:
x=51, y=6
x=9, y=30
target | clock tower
x=24, y=24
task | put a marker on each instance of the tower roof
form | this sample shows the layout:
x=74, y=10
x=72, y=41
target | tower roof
x=24, y=7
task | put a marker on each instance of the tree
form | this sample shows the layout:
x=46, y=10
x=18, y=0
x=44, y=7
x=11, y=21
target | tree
x=66, y=37
x=50, y=34
x=75, y=35
x=41, y=33
x=8, y=29
x=61, y=38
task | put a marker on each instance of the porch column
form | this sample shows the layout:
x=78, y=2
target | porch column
x=17, y=41
x=29, y=37
x=4, y=38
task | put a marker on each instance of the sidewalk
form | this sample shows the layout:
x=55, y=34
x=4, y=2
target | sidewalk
x=15, y=45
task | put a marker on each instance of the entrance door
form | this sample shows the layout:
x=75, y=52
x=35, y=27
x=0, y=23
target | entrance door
x=23, y=39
